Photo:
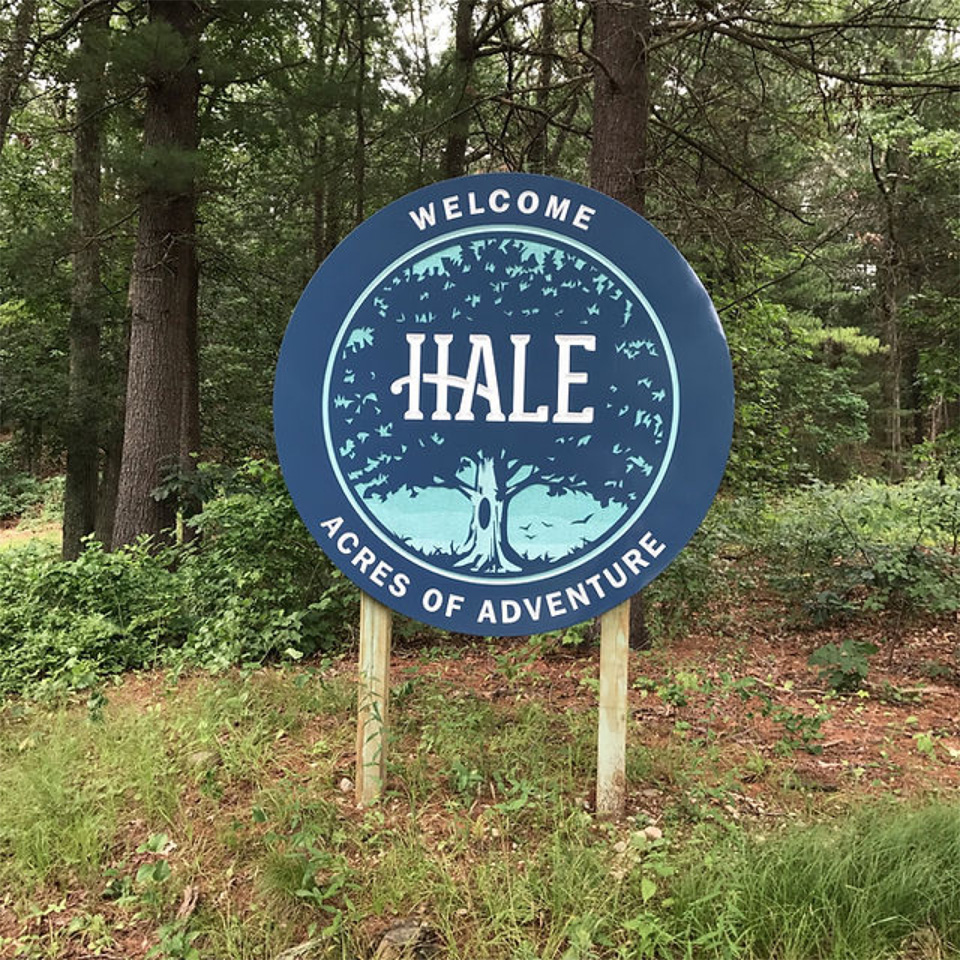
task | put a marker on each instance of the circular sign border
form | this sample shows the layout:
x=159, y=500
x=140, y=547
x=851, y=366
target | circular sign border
x=672, y=291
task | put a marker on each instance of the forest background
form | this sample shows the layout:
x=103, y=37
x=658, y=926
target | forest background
x=172, y=172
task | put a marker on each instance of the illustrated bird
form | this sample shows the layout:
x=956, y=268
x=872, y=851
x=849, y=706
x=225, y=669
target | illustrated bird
x=585, y=519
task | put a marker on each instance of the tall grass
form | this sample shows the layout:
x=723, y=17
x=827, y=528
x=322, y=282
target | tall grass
x=859, y=888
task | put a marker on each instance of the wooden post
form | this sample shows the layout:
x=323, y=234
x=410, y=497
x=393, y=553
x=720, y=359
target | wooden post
x=612, y=729
x=373, y=693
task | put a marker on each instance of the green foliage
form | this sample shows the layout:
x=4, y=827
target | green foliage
x=63, y=625
x=682, y=592
x=866, y=547
x=254, y=586
x=843, y=667
x=258, y=584
x=798, y=403
x=21, y=493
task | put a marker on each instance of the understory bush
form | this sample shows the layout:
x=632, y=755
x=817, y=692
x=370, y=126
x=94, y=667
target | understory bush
x=866, y=547
x=21, y=493
x=253, y=585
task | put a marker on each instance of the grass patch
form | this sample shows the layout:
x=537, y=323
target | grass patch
x=229, y=787
x=861, y=887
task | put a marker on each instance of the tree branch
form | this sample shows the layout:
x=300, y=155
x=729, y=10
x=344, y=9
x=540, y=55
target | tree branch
x=865, y=80
x=712, y=155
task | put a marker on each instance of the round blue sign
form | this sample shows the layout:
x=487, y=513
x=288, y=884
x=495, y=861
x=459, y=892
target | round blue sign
x=503, y=404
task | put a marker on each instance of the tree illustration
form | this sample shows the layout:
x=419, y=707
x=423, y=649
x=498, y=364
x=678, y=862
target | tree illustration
x=529, y=493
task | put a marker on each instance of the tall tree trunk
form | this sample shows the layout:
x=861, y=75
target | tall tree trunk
x=320, y=194
x=888, y=298
x=464, y=57
x=161, y=287
x=618, y=151
x=319, y=204
x=190, y=504
x=111, y=443
x=83, y=402
x=888, y=171
x=537, y=155
x=11, y=69
x=360, y=147
x=621, y=100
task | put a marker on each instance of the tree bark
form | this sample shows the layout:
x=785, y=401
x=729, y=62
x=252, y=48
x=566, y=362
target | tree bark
x=360, y=146
x=112, y=444
x=83, y=401
x=190, y=504
x=319, y=203
x=621, y=100
x=464, y=57
x=618, y=151
x=891, y=274
x=11, y=70
x=161, y=286
x=538, y=154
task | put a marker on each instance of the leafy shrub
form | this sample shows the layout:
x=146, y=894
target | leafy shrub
x=61, y=622
x=843, y=668
x=254, y=586
x=22, y=493
x=19, y=492
x=703, y=572
x=866, y=547
x=258, y=583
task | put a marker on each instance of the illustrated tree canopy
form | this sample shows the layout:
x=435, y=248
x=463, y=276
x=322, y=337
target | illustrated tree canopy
x=519, y=405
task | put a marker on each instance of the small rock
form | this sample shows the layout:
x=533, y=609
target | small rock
x=408, y=940
x=652, y=833
x=346, y=785
x=620, y=846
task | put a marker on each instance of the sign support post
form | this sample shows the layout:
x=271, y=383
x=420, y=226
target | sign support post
x=612, y=727
x=373, y=694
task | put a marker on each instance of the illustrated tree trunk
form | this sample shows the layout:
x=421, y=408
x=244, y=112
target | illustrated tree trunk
x=11, y=69
x=618, y=151
x=161, y=285
x=487, y=546
x=83, y=400
x=464, y=57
